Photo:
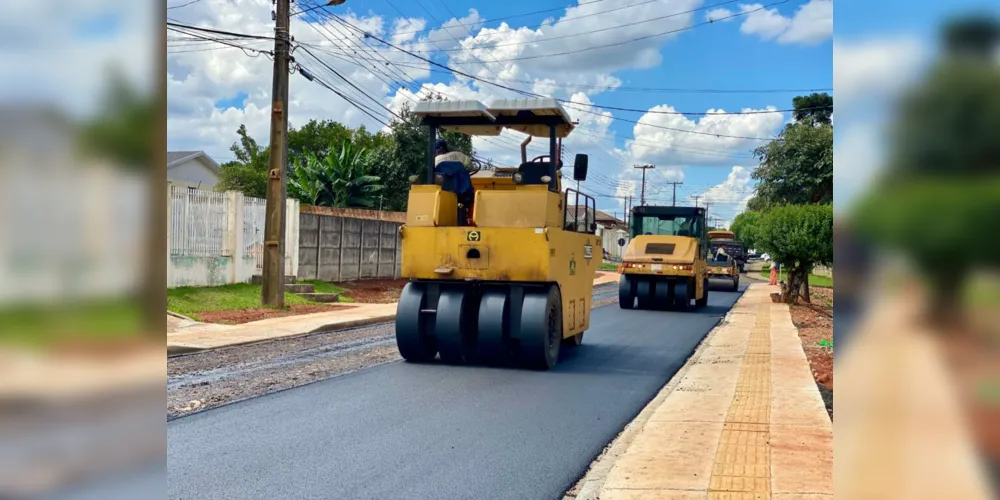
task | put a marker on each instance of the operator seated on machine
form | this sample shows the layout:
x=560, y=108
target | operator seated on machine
x=455, y=164
x=721, y=255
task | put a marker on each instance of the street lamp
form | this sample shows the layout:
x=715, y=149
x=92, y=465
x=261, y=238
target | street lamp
x=334, y=2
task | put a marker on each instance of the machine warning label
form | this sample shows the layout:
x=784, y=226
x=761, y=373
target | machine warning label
x=572, y=267
x=588, y=252
x=473, y=236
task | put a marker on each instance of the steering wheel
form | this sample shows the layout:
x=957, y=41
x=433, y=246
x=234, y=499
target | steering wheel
x=535, y=159
x=474, y=166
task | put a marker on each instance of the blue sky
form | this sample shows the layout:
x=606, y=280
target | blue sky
x=705, y=58
x=882, y=49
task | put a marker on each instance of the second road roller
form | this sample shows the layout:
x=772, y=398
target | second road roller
x=664, y=266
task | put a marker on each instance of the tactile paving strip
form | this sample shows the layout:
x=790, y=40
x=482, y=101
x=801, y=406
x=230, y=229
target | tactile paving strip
x=742, y=469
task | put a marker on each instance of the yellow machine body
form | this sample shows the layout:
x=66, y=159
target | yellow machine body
x=670, y=257
x=719, y=270
x=500, y=269
x=664, y=265
x=518, y=237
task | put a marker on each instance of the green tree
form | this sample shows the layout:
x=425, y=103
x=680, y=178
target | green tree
x=947, y=125
x=798, y=237
x=937, y=200
x=323, y=137
x=815, y=108
x=745, y=226
x=796, y=168
x=124, y=129
x=944, y=228
x=341, y=179
x=248, y=173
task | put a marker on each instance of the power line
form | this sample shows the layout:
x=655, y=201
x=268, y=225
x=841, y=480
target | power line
x=183, y=5
x=369, y=35
x=236, y=45
x=568, y=86
x=704, y=113
x=218, y=32
x=609, y=28
x=646, y=37
x=515, y=16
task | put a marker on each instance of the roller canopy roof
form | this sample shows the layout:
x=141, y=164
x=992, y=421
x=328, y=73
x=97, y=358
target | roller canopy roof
x=531, y=116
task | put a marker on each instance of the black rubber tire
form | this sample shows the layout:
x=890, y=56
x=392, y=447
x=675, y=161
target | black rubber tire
x=541, y=328
x=494, y=327
x=626, y=292
x=703, y=301
x=574, y=341
x=644, y=293
x=455, y=326
x=413, y=337
x=682, y=295
x=661, y=295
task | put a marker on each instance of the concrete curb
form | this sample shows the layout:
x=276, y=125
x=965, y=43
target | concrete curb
x=181, y=316
x=589, y=486
x=180, y=349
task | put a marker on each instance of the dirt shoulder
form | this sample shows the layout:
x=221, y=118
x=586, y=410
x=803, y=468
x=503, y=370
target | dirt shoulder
x=372, y=291
x=815, y=324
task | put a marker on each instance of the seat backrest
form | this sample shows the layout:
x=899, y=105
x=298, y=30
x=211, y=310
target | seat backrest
x=456, y=178
x=532, y=172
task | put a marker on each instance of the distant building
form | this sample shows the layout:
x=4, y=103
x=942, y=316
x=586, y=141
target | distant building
x=193, y=169
x=609, y=228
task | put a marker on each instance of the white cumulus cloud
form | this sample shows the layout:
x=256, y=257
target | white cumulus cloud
x=812, y=23
x=713, y=138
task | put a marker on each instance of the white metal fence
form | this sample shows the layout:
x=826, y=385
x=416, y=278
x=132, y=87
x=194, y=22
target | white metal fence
x=254, y=214
x=198, y=221
x=218, y=238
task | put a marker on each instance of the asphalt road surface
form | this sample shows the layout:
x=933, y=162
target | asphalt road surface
x=407, y=431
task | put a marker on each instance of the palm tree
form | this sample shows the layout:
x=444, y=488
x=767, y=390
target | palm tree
x=342, y=179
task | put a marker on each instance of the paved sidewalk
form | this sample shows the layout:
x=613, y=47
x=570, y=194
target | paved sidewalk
x=190, y=336
x=744, y=420
x=901, y=430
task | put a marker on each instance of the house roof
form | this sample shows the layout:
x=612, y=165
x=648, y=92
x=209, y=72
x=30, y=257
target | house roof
x=177, y=157
x=599, y=216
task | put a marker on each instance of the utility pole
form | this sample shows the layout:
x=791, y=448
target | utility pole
x=696, y=200
x=644, y=168
x=273, y=289
x=628, y=211
x=674, y=203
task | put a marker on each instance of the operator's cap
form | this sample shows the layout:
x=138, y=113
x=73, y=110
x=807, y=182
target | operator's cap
x=441, y=144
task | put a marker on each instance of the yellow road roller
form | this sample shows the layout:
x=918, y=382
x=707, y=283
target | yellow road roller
x=664, y=265
x=723, y=267
x=500, y=261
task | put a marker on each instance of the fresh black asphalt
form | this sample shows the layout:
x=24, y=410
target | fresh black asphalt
x=417, y=432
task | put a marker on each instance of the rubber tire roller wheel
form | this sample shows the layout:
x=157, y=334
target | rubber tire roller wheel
x=644, y=293
x=703, y=301
x=494, y=327
x=682, y=295
x=541, y=328
x=455, y=326
x=574, y=341
x=412, y=333
x=661, y=295
x=626, y=292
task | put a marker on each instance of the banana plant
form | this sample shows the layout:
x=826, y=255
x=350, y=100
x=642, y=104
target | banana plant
x=342, y=179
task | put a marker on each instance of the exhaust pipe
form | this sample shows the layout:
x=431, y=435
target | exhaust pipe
x=524, y=150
